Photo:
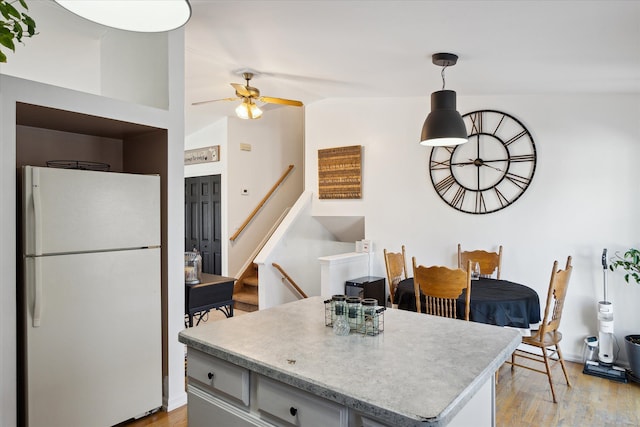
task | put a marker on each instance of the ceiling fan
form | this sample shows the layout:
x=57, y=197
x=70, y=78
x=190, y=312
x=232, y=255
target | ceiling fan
x=248, y=108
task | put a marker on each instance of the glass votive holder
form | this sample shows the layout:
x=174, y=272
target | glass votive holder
x=354, y=312
x=369, y=316
x=338, y=306
x=475, y=272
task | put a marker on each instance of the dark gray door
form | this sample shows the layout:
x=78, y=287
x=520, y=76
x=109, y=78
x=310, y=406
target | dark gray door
x=202, y=220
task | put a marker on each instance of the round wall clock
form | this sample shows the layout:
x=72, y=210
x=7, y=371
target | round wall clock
x=490, y=171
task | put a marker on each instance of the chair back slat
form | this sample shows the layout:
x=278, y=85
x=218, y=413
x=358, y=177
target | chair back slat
x=396, y=265
x=556, y=294
x=445, y=307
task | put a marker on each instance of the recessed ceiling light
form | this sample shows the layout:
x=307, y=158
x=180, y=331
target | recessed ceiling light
x=147, y=16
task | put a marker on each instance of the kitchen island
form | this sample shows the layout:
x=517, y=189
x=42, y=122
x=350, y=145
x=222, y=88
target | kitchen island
x=283, y=366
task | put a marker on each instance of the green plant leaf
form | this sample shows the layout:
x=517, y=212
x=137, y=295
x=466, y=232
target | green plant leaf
x=629, y=262
x=7, y=41
x=4, y=11
x=28, y=20
x=12, y=10
x=17, y=30
x=30, y=23
x=15, y=25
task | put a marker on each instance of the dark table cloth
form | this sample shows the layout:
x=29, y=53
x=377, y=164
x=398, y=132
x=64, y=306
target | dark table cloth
x=496, y=302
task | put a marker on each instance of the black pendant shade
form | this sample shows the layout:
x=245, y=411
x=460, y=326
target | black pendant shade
x=444, y=125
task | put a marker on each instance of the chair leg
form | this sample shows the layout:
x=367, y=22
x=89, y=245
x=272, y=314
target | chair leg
x=513, y=360
x=546, y=364
x=564, y=368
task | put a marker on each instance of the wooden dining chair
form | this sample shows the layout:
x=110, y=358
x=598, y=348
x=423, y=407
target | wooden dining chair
x=396, y=269
x=489, y=262
x=548, y=337
x=441, y=287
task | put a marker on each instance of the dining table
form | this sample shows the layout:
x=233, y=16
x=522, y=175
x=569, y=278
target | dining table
x=493, y=301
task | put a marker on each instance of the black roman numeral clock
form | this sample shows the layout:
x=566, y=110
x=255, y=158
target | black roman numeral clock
x=489, y=172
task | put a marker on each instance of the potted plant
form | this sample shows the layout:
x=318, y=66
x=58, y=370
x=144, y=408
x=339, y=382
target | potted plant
x=14, y=25
x=630, y=263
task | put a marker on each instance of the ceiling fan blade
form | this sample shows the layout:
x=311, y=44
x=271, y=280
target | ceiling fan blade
x=241, y=89
x=282, y=101
x=216, y=100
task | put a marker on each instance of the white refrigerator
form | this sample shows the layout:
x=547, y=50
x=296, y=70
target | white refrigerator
x=91, y=315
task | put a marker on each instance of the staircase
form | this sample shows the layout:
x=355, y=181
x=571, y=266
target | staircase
x=245, y=290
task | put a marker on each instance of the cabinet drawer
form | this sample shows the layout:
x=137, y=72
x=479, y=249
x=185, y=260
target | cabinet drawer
x=220, y=376
x=293, y=407
x=206, y=411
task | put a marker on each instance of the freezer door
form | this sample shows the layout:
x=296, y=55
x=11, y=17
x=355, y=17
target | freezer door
x=68, y=211
x=96, y=358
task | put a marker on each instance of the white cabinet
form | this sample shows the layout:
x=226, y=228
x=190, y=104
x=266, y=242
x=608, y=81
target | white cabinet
x=290, y=406
x=228, y=395
x=206, y=410
x=224, y=378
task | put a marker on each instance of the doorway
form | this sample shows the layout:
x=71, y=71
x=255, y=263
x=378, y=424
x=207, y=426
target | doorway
x=202, y=220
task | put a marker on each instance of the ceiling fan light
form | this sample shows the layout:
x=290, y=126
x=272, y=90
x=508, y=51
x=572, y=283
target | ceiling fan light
x=444, y=125
x=248, y=110
x=147, y=16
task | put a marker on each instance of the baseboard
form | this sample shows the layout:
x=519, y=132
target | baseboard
x=175, y=402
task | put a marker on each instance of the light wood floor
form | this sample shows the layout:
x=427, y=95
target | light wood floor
x=524, y=400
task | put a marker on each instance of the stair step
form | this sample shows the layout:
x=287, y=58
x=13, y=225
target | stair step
x=251, y=281
x=246, y=300
x=244, y=307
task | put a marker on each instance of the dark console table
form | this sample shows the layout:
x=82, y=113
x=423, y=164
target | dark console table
x=213, y=292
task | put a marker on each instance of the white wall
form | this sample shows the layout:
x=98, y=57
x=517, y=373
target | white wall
x=277, y=141
x=214, y=134
x=41, y=58
x=75, y=53
x=139, y=73
x=583, y=197
x=296, y=246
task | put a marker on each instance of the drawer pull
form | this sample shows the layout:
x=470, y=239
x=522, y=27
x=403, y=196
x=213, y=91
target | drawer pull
x=293, y=411
x=210, y=375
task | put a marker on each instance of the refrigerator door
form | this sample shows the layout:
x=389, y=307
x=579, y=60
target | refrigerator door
x=96, y=359
x=69, y=211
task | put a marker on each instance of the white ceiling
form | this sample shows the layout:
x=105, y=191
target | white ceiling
x=309, y=50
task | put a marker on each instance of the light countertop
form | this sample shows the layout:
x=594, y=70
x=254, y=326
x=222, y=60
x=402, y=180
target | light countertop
x=421, y=369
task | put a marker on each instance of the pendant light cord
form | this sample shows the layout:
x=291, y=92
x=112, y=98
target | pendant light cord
x=442, y=74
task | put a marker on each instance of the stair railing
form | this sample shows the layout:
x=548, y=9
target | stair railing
x=262, y=202
x=290, y=280
x=247, y=267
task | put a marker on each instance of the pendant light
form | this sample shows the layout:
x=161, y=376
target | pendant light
x=146, y=16
x=444, y=125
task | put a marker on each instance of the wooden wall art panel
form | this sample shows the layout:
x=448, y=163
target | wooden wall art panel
x=340, y=173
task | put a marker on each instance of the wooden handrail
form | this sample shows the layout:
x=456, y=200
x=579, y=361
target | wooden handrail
x=248, y=265
x=289, y=279
x=262, y=202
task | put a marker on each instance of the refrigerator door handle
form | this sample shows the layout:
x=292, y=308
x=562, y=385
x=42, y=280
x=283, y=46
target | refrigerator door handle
x=37, y=211
x=37, y=292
